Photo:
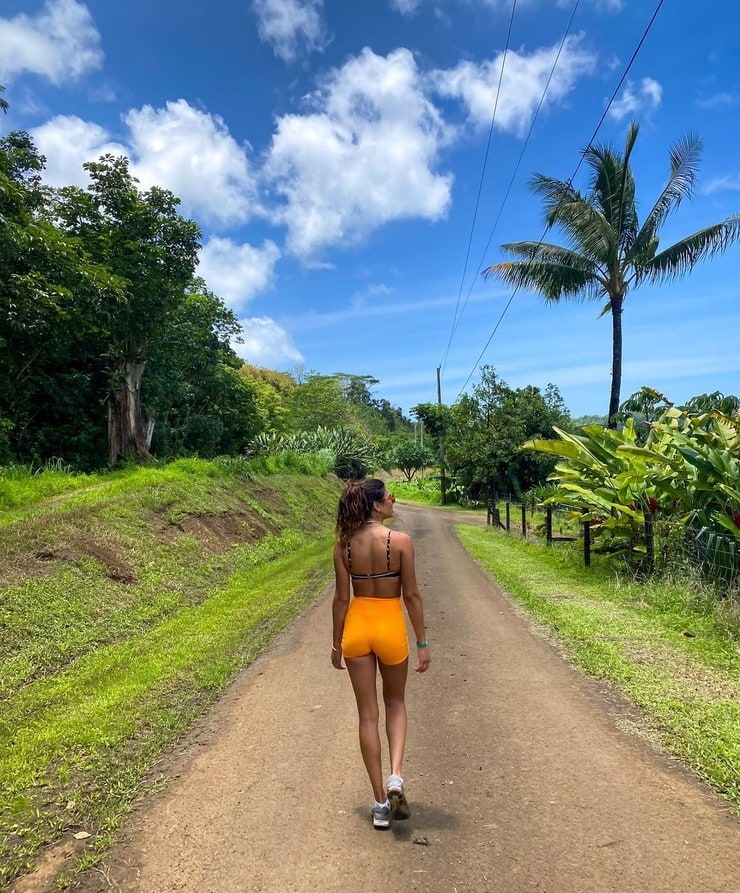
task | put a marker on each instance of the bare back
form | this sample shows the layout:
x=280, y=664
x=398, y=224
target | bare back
x=374, y=562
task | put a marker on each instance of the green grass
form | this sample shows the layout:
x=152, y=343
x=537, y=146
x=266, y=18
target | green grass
x=669, y=647
x=157, y=585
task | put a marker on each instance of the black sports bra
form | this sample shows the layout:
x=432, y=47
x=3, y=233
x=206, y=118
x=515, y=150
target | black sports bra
x=388, y=573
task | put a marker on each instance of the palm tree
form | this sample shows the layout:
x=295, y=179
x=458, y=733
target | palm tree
x=609, y=251
x=3, y=102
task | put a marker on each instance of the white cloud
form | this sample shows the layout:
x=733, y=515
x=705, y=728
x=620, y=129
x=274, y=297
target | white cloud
x=192, y=153
x=178, y=147
x=67, y=142
x=364, y=158
x=290, y=25
x=266, y=344
x=61, y=43
x=522, y=85
x=410, y=7
x=719, y=100
x=406, y=7
x=236, y=273
x=722, y=184
x=637, y=99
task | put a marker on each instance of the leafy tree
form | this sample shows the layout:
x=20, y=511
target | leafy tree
x=488, y=427
x=140, y=237
x=610, y=252
x=317, y=402
x=272, y=392
x=53, y=301
x=194, y=385
x=409, y=455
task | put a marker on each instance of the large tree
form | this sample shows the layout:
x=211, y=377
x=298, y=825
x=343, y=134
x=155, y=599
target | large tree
x=54, y=303
x=143, y=240
x=609, y=252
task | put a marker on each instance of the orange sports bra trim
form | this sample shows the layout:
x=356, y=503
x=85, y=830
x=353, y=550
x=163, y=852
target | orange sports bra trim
x=388, y=573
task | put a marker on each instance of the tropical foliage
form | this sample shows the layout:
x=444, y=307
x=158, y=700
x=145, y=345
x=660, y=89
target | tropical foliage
x=679, y=489
x=609, y=251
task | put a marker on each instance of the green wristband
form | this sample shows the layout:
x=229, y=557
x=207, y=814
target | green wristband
x=421, y=644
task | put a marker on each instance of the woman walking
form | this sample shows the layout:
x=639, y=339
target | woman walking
x=370, y=631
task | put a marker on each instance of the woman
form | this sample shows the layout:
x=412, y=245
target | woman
x=370, y=630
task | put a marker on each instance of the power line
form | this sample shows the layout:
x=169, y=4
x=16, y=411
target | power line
x=480, y=185
x=513, y=176
x=570, y=181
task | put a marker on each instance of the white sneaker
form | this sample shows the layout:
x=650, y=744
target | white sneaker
x=381, y=816
x=397, y=796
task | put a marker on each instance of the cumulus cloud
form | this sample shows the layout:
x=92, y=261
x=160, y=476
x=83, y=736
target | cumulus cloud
x=236, y=273
x=636, y=99
x=178, y=147
x=291, y=26
x=522, y=85
x=67, y=142
x=61, y=43
x=193, y=154
x=364, y=157
x=267, y=344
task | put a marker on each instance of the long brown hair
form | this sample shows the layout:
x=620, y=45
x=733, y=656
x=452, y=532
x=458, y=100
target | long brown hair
x=356, y=506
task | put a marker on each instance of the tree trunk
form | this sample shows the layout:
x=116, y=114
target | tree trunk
x=129, y=433
x=614, y=397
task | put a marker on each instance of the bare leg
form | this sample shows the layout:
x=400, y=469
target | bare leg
x=362, y=672
x=394, y=696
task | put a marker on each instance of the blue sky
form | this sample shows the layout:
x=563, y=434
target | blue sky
x=332, y=152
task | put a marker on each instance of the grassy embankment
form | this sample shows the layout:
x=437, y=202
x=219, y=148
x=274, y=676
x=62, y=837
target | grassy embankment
x=127, y=602
x=670, y=646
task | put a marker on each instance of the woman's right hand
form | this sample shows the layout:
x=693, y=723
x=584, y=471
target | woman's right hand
x=336, y=659
x=423, y=659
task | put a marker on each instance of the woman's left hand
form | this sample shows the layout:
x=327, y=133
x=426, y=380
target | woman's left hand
x=336, y=659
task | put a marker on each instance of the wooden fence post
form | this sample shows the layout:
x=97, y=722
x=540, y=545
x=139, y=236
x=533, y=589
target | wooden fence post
x=524, y=520
x=548, y=525
x=587, y=543
x=508, y=515
x=649, y=541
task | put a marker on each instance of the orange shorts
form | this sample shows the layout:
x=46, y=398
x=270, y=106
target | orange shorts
x=376, y=626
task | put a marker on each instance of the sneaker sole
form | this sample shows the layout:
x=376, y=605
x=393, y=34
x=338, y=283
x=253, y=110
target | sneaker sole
x=381, y=825
x=399, y=805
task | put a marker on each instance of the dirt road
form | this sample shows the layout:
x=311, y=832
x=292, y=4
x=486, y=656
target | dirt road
x=518, y=772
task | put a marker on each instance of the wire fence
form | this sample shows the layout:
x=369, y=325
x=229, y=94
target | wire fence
x=654, y=544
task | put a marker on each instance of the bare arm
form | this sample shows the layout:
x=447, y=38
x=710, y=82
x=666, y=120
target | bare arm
x=413, y=602
x=339, y=605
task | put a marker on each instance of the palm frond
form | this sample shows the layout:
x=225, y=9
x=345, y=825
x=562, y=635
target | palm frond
x=684, y=157
x=585, y=226
x=554, y=281
x=554, y=193
x=544, y=251
x=681, y=257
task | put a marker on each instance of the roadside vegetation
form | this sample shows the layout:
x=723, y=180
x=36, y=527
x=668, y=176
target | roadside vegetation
x=670, y=645
x=128, y=601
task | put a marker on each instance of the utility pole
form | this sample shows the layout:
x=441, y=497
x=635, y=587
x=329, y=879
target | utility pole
x=443, y=478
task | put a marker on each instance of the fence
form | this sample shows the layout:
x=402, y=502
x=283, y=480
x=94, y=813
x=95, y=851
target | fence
x=493, y=519
x=715, y=555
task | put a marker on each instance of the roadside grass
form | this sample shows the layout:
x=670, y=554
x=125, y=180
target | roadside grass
x=155, y=587
x=668, y=645
x=424, y=491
